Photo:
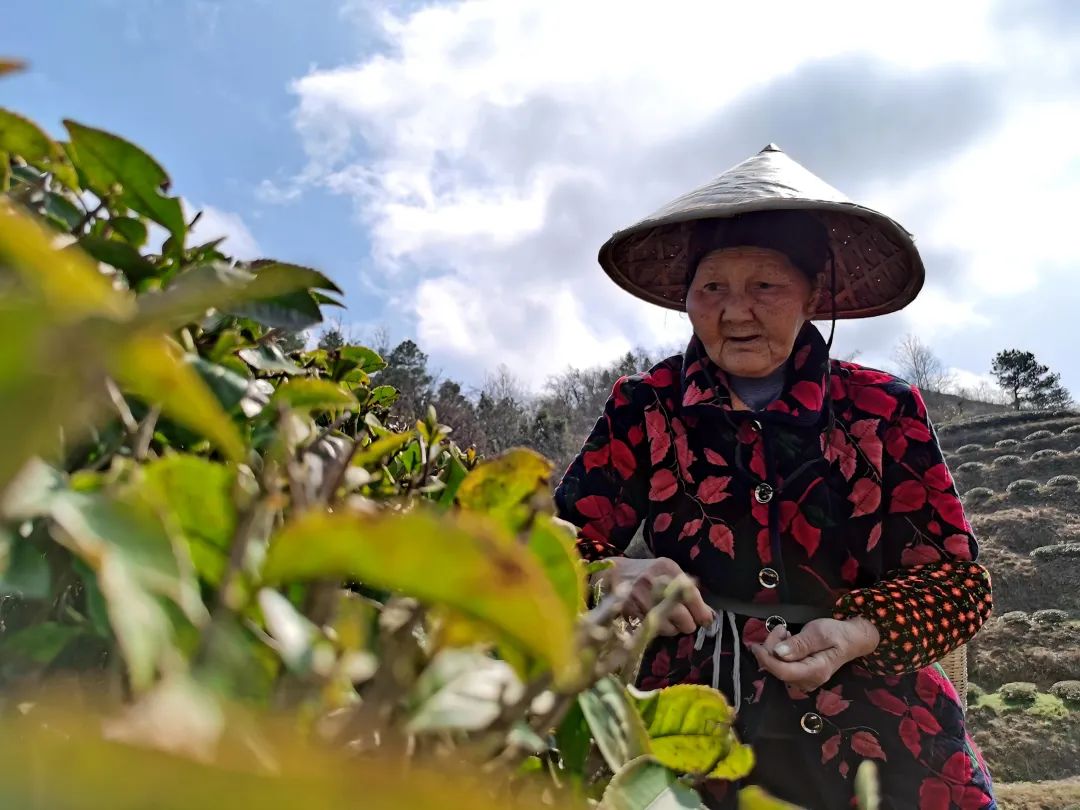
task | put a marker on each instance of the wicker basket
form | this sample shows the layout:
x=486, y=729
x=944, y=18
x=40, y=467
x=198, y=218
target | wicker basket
x=955, y=665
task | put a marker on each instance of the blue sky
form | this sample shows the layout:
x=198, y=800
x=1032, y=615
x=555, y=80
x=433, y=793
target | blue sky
x=455, y=164
x=204, y=87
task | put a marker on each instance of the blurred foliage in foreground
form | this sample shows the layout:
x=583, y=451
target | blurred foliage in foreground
x=226, y=580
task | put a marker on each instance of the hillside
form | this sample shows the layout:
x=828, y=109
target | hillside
x=1019, y=476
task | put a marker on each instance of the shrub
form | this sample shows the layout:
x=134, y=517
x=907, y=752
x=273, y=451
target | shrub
x=1019, y=692
x=1050, y=616
x=977, y=495
x=1064, y=481
x=1071, y=429
x=1015, y=617
x=1003, y=443
x=969, y=448
x=971, y=467
x=1007, y=461
x=1068, y=691
x=974, y=693
x=187, y=543
x=1024, y=486
x=1037, y=435
x=1046, y=452
x=1056, y=551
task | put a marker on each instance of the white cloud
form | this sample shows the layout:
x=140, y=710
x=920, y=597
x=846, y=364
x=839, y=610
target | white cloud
x=215, y=223
x=492, y=147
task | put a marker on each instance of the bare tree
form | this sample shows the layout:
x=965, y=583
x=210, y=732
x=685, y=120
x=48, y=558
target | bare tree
x=920, y=366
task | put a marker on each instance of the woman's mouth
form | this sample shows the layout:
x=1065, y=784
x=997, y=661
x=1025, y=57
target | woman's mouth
x=743, y=340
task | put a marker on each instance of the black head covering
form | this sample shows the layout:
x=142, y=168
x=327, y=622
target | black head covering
x=799, y=235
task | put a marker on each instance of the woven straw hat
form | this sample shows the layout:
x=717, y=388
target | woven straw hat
x=878, y=269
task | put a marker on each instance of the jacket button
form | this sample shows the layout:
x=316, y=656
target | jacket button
x=763, y=493
x=756, y=425
x=773, y=622
x=812, y=723
x=768, y=578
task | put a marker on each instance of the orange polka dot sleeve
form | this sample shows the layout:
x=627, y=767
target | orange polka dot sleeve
x=935, y=596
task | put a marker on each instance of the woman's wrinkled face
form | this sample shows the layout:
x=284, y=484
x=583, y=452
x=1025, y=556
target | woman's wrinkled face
x=747, y=306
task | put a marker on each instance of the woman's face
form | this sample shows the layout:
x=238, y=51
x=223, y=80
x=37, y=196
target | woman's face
x=747, y=306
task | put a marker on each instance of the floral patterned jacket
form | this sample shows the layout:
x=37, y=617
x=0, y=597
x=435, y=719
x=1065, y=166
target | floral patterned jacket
x=835, y=496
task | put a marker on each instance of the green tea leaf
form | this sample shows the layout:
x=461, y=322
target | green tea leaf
x=467, y=565
x=68, y=282
x=21, y=136
x=553, y=545
x=380, y=449
x=294, y=276
x=24, y=571
x=454, y=477
x=152, y=369
x=126, y=545
x=132, y=229
x=310, y=395
x=690, y=727
x=39, y=643
x=292, y=632
x=463, y=690
x=365, y=359
x=292, y=312
x=111, y=163
x=616, y=725
x=383, y=395
x=503, y=486
x=268, y=357
x=120, y=255
x=645, y=784
x=61, y=210
x=574, y=740
x=198, y=495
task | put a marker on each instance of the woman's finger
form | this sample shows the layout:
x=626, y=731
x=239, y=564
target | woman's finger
x=813, y=638
x=777, y=635
x=682, y=620
x=815, y=669
x=701, y=612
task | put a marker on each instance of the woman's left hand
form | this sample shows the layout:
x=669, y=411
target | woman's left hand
x=808, y=659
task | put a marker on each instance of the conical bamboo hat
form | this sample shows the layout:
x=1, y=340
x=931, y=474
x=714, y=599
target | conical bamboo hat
x=878, y=269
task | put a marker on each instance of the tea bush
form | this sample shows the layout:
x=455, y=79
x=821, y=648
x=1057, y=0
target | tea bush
x=227, y=576
x=1024, y=486
x=1037, y=435
x=1008, y=460
x=968, y=448
x=1064, y=482
x=1050, y=616
x=1019, y=692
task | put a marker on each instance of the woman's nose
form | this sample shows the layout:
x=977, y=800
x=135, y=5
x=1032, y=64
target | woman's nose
x=736, y=307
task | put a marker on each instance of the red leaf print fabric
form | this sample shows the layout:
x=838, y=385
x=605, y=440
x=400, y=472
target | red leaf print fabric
x=659, y=439
x=830, y=748
x=907, y=497
x=879, y=524
x=910, y=736
x=866, y=745
x=713, y=489
x=663, y=485
x=830, y=703
x=622, y=458
x=722, y=539
x=866, y=495
x=873, y=400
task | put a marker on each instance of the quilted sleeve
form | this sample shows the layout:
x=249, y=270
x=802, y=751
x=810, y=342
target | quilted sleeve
x=935, y=596
x=604, y=492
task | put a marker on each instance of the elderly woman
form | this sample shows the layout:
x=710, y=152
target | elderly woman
x=806, y=496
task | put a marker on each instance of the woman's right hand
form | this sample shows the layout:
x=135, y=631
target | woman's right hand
x=646, y=578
